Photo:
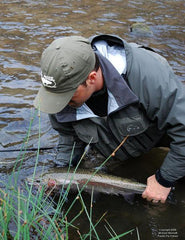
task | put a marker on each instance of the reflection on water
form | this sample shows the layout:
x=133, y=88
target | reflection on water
x=26, y=28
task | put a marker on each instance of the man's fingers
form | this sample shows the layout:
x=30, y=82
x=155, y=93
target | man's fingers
x=152, y=199
x=154, y=191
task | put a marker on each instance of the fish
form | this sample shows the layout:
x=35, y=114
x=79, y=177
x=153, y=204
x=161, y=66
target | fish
x=86, y=180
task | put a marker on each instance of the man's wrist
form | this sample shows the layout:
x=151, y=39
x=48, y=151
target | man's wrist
x=162, y=181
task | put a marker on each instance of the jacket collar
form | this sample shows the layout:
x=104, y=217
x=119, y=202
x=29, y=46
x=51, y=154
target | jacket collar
x=120, y=95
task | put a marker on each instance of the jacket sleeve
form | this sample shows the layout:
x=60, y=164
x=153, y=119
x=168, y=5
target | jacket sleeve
x=162, y=96
x=70, y=148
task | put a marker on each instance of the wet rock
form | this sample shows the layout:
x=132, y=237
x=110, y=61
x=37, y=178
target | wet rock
x=141, y=29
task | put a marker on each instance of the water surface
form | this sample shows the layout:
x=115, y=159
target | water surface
x=26, y=29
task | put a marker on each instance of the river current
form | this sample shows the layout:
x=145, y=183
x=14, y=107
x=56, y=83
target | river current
x=27, y=27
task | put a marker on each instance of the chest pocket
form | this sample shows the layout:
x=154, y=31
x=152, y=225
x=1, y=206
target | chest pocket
x=128, y=121
x=143, y=134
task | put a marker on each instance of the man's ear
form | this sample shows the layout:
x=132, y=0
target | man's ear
x=92, y=77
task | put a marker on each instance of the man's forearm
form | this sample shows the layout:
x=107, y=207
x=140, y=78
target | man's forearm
x=69, y=150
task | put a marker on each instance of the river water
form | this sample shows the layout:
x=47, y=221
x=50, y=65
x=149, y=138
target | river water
x=26, y=29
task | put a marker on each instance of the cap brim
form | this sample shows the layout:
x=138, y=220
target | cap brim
x=49, y=102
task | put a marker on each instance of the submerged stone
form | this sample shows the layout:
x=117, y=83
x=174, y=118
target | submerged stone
x=141, y=29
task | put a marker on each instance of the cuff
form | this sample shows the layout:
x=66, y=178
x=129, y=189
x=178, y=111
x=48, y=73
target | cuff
x=162, y=181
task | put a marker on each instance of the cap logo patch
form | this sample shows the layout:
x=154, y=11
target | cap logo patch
x=48, y=81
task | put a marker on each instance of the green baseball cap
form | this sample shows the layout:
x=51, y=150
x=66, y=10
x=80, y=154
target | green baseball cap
x=65, y=64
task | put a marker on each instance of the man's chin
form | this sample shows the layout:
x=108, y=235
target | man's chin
x=75, y=105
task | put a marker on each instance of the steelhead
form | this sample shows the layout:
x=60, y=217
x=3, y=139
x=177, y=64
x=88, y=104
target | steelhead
x=57, y=178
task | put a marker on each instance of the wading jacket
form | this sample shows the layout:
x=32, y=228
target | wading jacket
x=146, y=102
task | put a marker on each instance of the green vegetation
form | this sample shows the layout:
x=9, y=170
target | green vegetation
x=27, y=214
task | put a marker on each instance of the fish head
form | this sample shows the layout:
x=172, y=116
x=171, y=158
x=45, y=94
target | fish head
x=48, y=180
x=35, y=180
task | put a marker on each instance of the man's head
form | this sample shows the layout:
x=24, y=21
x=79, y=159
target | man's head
x=93, y=83
x=65, y=65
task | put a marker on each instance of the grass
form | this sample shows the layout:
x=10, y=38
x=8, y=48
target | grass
x=40, y=218
x=28, y=214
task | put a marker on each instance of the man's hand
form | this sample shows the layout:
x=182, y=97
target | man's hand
x=154, y=191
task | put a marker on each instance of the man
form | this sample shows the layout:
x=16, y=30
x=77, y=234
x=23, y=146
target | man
x=103, y=89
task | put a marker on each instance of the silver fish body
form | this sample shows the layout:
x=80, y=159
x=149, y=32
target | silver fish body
x=58, y=178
